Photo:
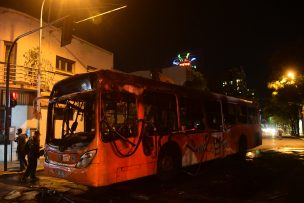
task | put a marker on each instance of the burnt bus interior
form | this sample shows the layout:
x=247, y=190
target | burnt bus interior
x=161, y=113
x=119, y=119
x=168, y=109
x=71, y=117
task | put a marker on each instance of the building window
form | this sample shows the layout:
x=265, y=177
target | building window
x=65, y=65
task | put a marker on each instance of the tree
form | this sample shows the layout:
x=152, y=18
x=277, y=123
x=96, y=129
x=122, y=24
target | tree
x=286, y=102
x=31, y=63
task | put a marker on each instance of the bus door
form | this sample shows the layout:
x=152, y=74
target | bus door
x=231, y=127
x=193, y=137
x=160, y=120
x=214, y=117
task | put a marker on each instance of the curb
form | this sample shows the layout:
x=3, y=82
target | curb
x=9, y=173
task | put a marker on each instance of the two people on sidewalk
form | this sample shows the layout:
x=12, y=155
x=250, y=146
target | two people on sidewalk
x=30, y=148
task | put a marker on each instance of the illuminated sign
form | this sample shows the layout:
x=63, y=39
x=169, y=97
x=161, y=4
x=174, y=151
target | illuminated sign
x=185, y=60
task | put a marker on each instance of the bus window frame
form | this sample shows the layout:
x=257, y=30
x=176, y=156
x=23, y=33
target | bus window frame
x=226, y=107
x=161, y=114
x=220, y=112
x=187, y=106
x=112, y=134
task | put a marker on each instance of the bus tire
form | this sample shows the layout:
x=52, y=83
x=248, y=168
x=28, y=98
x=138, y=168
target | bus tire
x=169, y=162
x=242, y=151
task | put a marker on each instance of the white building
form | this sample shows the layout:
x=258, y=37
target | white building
x=175, y=75
x=57, y=63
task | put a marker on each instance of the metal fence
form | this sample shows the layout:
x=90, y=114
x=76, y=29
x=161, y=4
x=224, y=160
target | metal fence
x=27, y=76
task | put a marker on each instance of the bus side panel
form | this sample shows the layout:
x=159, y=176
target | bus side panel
x=254, y=138
x=252, y=132
x=119, y=169
x=204, y=146
x=195, y=148
x=135, y=171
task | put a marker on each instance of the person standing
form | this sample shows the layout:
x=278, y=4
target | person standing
x=33, y=148
x=21, y=141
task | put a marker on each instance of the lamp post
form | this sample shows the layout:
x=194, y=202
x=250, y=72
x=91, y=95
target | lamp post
x=39, y=65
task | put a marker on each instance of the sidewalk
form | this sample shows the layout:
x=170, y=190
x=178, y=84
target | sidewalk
x=13, y=167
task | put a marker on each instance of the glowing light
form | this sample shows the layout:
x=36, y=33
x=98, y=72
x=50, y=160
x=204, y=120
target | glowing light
x=185, y=60
x=291, y=75
x=288, y=79
x=14, y=95
x=269, y=131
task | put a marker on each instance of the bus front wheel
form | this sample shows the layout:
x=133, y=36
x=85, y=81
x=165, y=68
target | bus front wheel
x=169, y=162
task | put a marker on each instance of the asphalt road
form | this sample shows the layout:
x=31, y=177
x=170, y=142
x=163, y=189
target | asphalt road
x=273, y=172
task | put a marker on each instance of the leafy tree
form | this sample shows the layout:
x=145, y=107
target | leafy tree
x=31, y=62
x=286, y=103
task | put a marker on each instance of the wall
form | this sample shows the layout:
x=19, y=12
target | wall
x=174, y=74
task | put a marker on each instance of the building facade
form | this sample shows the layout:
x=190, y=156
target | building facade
x=56, y=63
x=174, y=75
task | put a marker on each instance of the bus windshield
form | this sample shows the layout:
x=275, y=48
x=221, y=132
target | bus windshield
x=73, y=120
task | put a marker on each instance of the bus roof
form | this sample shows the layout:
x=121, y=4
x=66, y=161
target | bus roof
x=120, y=78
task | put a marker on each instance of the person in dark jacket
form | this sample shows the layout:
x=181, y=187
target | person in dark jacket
x=32, y=146
x=21, y=141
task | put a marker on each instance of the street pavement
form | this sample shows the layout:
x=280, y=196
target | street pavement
x=12, y=190
x=13, y=167
x=273, y=172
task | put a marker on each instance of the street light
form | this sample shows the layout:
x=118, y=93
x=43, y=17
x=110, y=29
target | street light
x=290, y=77
x=39, y=65
x=291, y=74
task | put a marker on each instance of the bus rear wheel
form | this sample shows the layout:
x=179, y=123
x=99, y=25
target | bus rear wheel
x=169, y=163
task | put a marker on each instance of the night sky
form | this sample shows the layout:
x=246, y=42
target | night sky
x=262, y=36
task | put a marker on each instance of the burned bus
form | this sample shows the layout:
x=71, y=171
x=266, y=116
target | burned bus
x=107, y=127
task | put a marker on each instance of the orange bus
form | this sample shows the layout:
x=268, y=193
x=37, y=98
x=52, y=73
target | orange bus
x=107, y=127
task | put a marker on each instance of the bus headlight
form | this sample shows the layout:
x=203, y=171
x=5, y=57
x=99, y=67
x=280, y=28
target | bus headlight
x=86, y=159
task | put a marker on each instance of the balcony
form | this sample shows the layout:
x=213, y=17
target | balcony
x=26, y=77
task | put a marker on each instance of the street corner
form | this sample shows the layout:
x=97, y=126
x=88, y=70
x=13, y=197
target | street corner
x=7, y=173
x=13, y=190
x=21, y=196
x=16, y=172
